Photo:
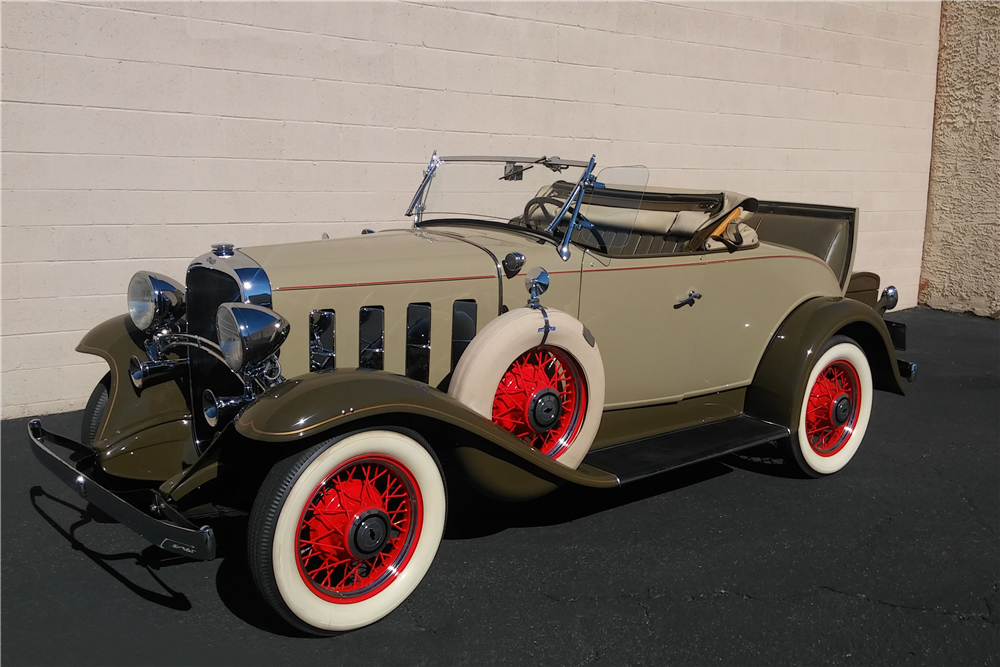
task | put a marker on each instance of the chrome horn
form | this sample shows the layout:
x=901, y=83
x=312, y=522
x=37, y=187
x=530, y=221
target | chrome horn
x=216, y=408
x=147, y=373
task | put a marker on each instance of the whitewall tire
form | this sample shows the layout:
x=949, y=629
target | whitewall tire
x=341, y=534
x=545, y=388
x=836, y=407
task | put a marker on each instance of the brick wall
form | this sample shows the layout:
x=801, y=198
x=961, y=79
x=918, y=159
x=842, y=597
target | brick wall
x=134, y=134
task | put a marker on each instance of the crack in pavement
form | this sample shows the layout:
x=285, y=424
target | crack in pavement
x=416, y=622
x=927, y=610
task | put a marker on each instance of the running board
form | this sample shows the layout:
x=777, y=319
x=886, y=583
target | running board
x=639, y=459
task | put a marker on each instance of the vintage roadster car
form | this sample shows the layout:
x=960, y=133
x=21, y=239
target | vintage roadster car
x=661, y=327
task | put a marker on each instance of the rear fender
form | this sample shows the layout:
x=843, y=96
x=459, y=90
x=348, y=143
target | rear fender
x=779, y=384
x=311, y=405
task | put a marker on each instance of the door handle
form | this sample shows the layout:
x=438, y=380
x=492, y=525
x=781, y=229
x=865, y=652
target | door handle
x=689, y=301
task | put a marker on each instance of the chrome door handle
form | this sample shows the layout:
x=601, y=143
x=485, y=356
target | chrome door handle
x=689, y=301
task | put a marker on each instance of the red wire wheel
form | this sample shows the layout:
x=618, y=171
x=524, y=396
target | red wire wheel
x=833, y=406
x=357, y=532
x=542, y=399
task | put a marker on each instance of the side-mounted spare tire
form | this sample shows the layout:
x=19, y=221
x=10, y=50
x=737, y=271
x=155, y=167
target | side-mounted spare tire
x=537, y=373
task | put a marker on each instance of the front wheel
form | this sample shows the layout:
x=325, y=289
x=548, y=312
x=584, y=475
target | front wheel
x=97, y=408
x=835, y=410
x=341, y=534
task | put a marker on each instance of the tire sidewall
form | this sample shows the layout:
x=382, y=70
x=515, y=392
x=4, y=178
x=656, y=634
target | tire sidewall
x=96, y=411
x=503, y=340
x=843, y=349
x=299, y=598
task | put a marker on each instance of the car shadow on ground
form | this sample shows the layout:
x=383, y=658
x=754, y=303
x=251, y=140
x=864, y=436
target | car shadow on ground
x=236, y=587
x=149, y=559
x=233, y=579
x=471, y=515
x=767, y=459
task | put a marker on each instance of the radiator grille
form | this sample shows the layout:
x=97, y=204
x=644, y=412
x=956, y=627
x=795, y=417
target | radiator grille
x=207, y=289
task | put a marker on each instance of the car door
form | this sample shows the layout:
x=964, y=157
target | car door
x=747, y=295
x=647, y=339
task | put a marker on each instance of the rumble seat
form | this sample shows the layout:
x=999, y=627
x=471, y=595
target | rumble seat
x=826, y=238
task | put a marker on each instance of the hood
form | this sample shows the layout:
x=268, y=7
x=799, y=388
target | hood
x=372, y=259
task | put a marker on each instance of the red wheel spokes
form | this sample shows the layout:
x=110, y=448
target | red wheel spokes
x=837, y=381
x=326, y=561
x=539, y=369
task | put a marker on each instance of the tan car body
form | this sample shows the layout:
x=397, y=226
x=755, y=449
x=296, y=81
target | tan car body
x=667, y=368
x=332, y=391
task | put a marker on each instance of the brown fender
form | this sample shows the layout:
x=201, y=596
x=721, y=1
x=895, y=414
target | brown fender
x=779, y=384
x=312, y=404
x=141, y=436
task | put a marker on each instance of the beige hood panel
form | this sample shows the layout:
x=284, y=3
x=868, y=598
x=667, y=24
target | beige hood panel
x=380, y=258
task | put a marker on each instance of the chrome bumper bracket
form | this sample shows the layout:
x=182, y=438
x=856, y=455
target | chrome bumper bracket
x=172, y=536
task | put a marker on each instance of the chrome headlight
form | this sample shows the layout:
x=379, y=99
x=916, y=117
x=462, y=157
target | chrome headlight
x=154, y=300
x=249, y=334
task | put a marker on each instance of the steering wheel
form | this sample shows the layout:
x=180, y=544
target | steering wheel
x=540, y=202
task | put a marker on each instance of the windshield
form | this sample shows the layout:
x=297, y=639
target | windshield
x=532, y=193
x=496, y=189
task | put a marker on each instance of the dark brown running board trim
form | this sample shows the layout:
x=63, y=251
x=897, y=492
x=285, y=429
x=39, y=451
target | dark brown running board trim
x=643, y=458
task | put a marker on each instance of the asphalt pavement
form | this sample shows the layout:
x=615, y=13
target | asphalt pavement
x=894, y=560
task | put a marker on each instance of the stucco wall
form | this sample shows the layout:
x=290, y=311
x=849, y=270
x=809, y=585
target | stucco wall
x=961, y=269
x=137, y=133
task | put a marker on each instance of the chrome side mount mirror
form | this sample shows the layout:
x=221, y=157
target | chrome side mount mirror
x=536, y=282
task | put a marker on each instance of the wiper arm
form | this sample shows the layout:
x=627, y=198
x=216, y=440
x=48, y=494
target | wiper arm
x=588, y=178
x=513, y=171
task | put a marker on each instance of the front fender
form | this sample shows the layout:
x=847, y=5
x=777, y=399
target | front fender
x=136, y=420
x=311, y=404
x=779, y=383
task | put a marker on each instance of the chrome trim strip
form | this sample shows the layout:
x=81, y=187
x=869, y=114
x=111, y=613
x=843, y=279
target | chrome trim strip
x=500, y=273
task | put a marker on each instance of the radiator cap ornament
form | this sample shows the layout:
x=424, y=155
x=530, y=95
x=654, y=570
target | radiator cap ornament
x=223, y=249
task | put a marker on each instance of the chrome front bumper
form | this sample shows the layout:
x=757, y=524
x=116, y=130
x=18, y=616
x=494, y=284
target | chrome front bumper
x=176, y=535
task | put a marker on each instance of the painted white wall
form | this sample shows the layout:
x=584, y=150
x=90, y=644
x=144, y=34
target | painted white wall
x=134, y=134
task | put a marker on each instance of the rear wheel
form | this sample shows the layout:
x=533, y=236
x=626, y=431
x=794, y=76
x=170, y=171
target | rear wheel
x=341, y=534
x=835, y=410
x=93, y=414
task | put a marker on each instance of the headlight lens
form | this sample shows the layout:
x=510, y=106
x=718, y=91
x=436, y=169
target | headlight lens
x=249, y=334
x=141, y=305
x=154, y=300
x=229, y=338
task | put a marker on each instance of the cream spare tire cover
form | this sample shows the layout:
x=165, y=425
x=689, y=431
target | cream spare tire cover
x=562, y=361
